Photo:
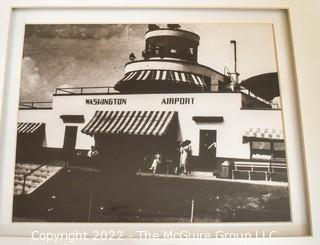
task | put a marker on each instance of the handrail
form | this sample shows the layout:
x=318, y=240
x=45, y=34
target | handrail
x=27, y=175
x=252, y=95
x=35, y=105
x=82, y=90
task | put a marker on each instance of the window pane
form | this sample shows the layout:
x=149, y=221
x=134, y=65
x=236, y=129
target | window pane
x=261, y=145
x=279, y=146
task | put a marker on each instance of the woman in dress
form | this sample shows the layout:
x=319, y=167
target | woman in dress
x=185, y=156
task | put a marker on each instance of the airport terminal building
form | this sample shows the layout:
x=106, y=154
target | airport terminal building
x=163, y=99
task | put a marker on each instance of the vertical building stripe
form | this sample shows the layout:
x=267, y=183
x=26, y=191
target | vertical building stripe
x=176, y=75
x=164, y=75
x=157, y=75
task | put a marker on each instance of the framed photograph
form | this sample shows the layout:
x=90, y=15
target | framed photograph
x=123, y=121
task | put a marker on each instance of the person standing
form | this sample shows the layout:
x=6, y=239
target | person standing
x=156, y=162
x=92, y=155
x=185, y=156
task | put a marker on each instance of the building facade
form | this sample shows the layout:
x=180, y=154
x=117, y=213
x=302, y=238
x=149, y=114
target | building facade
x=163, y=99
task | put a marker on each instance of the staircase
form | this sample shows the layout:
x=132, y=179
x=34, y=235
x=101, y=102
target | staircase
x=28, y=177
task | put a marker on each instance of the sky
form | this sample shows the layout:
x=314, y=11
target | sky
x=95, y=55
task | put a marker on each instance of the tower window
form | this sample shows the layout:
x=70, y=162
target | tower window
x=173, y=51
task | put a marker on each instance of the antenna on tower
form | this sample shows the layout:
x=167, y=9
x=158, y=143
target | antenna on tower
x=234, y=43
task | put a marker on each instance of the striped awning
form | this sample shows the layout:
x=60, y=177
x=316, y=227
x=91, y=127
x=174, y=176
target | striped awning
x=165, y=75
x=29, y=127
x=130, y=122
x=266, y=133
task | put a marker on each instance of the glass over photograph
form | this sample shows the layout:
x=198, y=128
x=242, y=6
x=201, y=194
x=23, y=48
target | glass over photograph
x=150, y=123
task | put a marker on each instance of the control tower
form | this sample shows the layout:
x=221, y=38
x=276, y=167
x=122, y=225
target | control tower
x=169, y=64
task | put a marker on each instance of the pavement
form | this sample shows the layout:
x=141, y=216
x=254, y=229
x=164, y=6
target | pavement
x=208, y=176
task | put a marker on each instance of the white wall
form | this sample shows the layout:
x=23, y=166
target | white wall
x=229, y=132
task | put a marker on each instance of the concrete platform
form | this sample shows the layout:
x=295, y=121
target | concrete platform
x=209, y=176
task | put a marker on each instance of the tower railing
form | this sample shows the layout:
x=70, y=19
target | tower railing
x=35, y=105
x=85, y=90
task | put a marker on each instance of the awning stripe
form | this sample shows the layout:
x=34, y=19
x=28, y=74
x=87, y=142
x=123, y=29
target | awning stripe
x=195, y=80
x=33, y=127
x=265, y=133
x=98, y=120
x=130, y=122
x=166, y=123
x=136, y=123
x=171, y=75
x=120, y=122
x=140, y=76
x=127, y=121
x=160, y=123
x=157, y=75
x=103, y=121
x=92, y=121
x=110, y=122
x=28, y=127
x=23, y=127
x=143, y=122
x=200, y=81
x=149, y=122
x=146, y=75
x=155, y=122
x=183, y=76
x=116, y=121
x=164, y=75
x=131, y=75
x=127, y=76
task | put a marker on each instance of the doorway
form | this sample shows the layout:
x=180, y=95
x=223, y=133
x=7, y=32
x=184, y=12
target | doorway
x=207, y=148
x=69, y=143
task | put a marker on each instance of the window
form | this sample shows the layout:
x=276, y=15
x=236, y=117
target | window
x=157, y=50
x=267, y=149
x=261, y=145
x=279, y=146
x=279, y=150
x=173, y=51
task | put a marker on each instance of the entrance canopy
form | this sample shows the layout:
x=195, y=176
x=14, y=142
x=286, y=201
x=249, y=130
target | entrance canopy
x=29, y=127
x=267, y=134
x=147, y=123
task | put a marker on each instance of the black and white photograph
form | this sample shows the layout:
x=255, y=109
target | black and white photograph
x=167, y=122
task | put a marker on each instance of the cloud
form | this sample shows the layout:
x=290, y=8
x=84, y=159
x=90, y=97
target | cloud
x=32, y=86
x=64, y=59
x=91, y=31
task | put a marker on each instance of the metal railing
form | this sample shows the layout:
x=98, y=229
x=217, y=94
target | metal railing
x=111, y=90
x=35, y=105
x=252, y=95
x=25, y=176
x=85, y=90
x=268, y=168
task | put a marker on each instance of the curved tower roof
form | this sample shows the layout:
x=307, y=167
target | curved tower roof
x=169, y=64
